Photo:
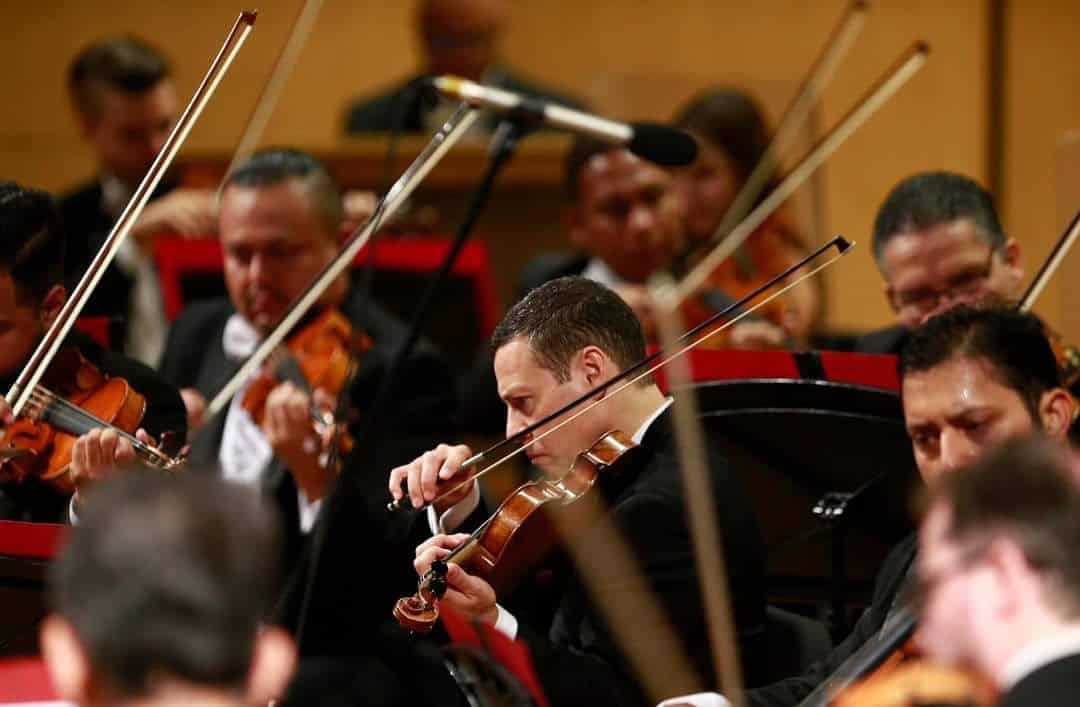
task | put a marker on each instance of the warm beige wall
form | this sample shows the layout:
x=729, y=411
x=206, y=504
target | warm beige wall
x=619, y=53
x=1042, y=75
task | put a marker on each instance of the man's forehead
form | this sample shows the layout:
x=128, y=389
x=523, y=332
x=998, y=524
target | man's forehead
x=954, y=386
x=619, y=170
x=949, y=236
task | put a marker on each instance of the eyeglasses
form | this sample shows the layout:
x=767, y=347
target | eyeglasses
x=963, y=284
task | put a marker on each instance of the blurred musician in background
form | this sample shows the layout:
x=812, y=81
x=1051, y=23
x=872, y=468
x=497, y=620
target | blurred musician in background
x=125, y=104
x=970, y=379
x=160, y=594
x=732, y=138
x=280, y=220
x=1000, y=576
x=938, y=242
x=32, y=294
x=459, y=37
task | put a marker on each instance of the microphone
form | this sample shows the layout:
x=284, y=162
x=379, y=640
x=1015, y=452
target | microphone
x=657, y=143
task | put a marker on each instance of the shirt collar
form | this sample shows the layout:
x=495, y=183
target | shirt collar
x=599, y=271
x=1039, y=654
x=239, y=338
x=640, y=434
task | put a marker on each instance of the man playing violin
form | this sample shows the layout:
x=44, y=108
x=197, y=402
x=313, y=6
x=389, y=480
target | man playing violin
x=999, y=573
x=31, y=296
x=970, y=379
x=279, y=225
x=563, y=339
x=938, y=242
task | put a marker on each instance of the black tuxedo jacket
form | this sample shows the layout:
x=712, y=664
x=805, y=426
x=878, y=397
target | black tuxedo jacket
x=1054, y=685
x=164, y=414
x=882, y=341
x=890, y=579
x=86, y=225
x=404, y=107
x=577, y=660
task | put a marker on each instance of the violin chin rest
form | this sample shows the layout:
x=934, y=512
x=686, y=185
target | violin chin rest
x=415, y=614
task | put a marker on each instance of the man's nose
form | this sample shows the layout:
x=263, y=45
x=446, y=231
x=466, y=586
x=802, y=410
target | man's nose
x=957, y=451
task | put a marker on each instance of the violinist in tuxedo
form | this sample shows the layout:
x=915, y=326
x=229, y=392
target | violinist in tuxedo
x=970, y=380
x=999, y=573
x=563, y=339
x=279, y=225
x=938, y=242
x=32, y=294
x=458, y=37
x=124, y=103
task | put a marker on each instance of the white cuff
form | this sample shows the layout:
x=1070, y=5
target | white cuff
x=506, y=623
x=700, y=699
x=309, y=511
x=455, y=515
x=73, y=517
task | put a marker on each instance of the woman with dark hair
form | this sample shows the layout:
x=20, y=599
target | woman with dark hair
x=733, y=136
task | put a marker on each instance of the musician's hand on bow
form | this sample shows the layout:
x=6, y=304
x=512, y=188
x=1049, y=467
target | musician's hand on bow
x=98, y=453
x=6, y=416
x=757, y=335
x=359, y=206
x=466, y=594
x=190, y=213
x=288, y=427
x=424, y=474
x=195, y=405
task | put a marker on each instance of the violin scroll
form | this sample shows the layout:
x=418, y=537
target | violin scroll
x=419, y=612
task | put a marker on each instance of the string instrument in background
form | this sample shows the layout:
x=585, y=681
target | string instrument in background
x=79, y=397
x=323, y=354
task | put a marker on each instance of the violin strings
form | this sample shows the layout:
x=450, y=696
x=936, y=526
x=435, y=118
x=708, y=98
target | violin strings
x=81, y=421
x=694, y=343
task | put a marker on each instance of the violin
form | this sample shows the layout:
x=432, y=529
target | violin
x=73, y=398
x=323, y=354
x=521, y=532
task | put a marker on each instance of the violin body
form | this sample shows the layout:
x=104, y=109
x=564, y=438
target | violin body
x=522, y=532
x=40, y=443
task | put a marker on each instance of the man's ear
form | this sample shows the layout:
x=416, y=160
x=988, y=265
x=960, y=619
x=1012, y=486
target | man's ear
x=51, y=304
x=595, y=364
x=1015, y=264
x=1057, y=409
x=273, y=663
x=890, y=297
x=65, y=659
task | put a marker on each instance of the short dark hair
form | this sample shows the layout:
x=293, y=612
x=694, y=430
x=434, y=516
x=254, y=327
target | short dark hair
x=930, y=199
x=565, y=315
x=124, y=63
x=732, y=120
x=33, y=245
x=272, y=167
x=1013, y=343
x=1026, y=490
x=167, y=575
x=583, y=149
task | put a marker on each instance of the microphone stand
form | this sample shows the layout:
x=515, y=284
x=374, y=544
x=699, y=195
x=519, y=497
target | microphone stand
x=510, y=130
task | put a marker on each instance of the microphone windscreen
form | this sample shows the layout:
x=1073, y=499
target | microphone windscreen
x=662, y=144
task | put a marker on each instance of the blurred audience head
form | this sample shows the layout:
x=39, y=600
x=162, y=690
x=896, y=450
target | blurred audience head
x=160, y=593
x=125, y=103
x=461, y=37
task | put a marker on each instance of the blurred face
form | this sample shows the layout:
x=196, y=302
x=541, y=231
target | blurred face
x=628, y=215
x=531, y=392
x=130, y=129
x=22, y=323
x=274, y=246
x=927, y=272
x=708, y=187
x=957, y=595
x=957, y=410
x=460, y=37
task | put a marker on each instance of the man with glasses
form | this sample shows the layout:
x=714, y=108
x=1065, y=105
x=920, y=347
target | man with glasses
x=938, y=242
x=1000, y=575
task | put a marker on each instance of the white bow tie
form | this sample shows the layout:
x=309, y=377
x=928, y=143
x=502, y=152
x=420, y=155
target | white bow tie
x=239, y=338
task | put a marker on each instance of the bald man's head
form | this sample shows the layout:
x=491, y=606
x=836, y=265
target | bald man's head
x=461, y=36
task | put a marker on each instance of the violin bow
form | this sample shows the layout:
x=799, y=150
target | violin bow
x=450, y=133
x=1050, y=264
x=50, y=343
x=909, y=63
x=795, y=116
x=274, y=86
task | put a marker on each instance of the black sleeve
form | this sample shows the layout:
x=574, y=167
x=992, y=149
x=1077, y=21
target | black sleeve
x=791, y=691
x=185, y=346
